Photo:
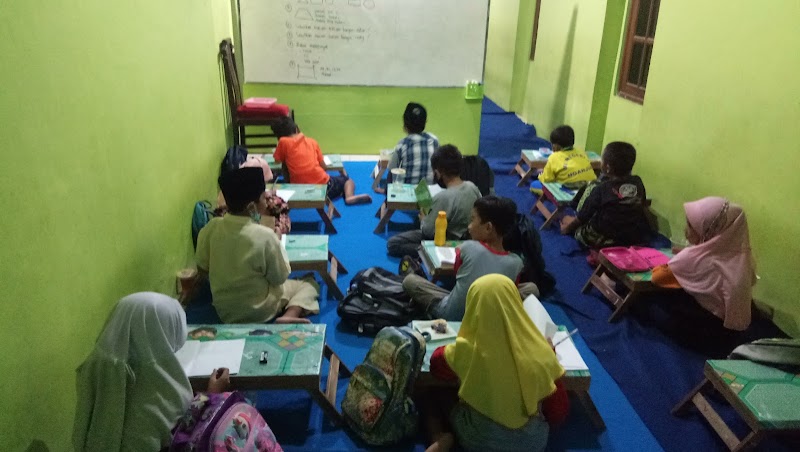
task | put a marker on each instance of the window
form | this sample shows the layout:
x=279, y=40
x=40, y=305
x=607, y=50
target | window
x=638, y=49
x=535, y=29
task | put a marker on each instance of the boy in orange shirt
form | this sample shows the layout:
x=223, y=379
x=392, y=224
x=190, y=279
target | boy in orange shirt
x=306, y=165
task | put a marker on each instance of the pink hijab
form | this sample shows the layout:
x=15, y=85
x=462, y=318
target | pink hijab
x=719, y=272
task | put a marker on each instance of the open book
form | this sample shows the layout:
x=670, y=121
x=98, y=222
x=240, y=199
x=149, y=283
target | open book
x=446, y=254
x=199, y=359
x=567, y=353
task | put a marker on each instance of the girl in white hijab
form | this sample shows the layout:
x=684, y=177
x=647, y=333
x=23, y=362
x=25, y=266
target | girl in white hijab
x=132, y=389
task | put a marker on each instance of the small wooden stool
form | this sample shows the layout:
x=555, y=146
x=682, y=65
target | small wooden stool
x=768, y=399
x=559, y=196
x=635, y=283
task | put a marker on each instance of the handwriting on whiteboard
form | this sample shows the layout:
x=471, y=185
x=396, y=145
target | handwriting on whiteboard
x=318, y=28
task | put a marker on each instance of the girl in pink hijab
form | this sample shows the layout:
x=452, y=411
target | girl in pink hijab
x=717, y=267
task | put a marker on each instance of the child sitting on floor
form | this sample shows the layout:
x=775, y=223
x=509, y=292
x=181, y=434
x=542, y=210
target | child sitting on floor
x=717, y=268
x=492, y=217
x=303, y=158
x=507, y=376
x=456, y=200
x=611, y=210
x=245, y=262
x=567, y=164
x=413, y=153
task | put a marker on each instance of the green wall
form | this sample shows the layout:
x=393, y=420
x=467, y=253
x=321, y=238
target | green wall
x=561, y=80
x=112, y=127
x=501, y=51
x=364, y=120
x=717, y=119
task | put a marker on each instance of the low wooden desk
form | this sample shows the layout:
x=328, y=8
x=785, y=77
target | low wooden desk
x=765, y=397
x=310, y=253
x=433, y=266
x=335, y=165
x=295, y=360
x=559, y=196
x=307, y=196
x=535, y=160
x=400, y=197
x=575, y=381
x=634, y=283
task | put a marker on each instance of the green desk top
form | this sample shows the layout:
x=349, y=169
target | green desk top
x=433, y=345
x=307, y=248
x=336, y=161
x=402, y=194
x=304, y=192
x=772, y=395
x=293, y=349
x=430, y=250
x=535, y=155
x=648, y=275
x=561, y=194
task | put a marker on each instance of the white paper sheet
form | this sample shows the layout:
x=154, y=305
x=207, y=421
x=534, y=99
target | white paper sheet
x=326, y=160
x=199, y=359
x=434, y=189
x=446, y=255
x=536, y=311
x=568, y=354
x=284, y=194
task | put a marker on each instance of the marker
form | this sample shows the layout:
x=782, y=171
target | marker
x=566, y=337
x=264, y=357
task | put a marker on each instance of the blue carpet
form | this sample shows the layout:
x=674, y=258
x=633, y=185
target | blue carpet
x=656, y=353
x=301, y=426
x=503, y=136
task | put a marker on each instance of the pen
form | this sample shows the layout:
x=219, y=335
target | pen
x=566, y=337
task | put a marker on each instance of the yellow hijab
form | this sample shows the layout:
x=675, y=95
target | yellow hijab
x=505, y=365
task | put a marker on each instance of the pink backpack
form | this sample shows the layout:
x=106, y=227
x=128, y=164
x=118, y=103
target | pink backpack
x=635, y=258
x=223, y=423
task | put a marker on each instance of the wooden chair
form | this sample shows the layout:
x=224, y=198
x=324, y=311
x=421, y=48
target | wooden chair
x=242, y=117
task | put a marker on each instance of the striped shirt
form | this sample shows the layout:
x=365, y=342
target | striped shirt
x=413, y=154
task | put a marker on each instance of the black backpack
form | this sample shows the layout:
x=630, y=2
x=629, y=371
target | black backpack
x=524, y=240
x=376, y=299
x=234, y=158
x=477, y=171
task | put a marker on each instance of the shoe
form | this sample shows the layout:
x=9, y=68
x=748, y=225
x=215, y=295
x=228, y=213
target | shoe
x=409, y=265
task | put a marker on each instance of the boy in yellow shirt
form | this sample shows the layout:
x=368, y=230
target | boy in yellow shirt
x=567, y=164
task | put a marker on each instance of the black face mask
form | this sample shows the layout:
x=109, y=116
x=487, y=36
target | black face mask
x=439, y=181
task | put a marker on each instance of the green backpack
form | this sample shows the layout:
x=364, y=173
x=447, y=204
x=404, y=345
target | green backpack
x=377, y=405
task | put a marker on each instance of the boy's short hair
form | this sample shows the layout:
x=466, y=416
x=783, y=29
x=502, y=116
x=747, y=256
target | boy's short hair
x=447, y=160
x=620, y=156
x=415, y=117
x=286, y=127
x=563, y=136
x=500, y=211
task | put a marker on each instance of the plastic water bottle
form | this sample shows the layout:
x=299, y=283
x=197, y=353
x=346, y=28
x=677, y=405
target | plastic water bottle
x=440, y=236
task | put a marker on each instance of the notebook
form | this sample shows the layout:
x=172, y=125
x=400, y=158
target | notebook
x=424, y=198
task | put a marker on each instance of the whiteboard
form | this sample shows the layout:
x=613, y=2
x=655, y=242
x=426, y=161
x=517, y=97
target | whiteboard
x=432, y=43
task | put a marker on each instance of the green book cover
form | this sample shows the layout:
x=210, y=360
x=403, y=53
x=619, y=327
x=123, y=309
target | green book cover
x=424, y=199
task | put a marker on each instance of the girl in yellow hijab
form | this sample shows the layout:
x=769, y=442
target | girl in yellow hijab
x=505, y=367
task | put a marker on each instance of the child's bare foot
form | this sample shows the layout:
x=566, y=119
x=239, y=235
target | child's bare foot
x=286, y=320
x=444, y=443
x=358, y=199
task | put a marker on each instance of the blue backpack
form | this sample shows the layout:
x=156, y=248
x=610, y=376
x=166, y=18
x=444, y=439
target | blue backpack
x=203, y=213
x=234, y=158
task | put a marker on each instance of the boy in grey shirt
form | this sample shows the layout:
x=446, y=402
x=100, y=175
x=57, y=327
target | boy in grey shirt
x=491, y=218
x=456, y=200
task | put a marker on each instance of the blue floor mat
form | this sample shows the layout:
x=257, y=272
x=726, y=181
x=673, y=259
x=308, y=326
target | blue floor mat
x=301, y=426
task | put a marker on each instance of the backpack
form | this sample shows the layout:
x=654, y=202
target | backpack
x=376, y=405
x=233, y=159
x=203, y=213
x=781, y=353
x=477, y=171
x=376, y=299
x=524, y=240
x=222, y=422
